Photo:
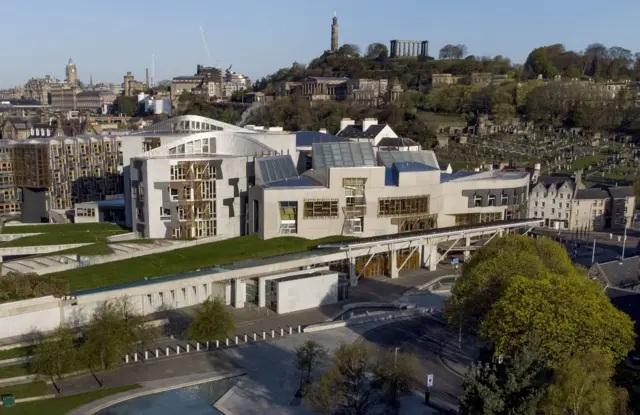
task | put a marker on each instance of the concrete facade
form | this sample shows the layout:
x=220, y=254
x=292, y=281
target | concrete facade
x=301, y=292
x=378, y=200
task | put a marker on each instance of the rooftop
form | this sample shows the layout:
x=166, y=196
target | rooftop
x=302, y=181
x=482, y=175
x=428, y=158
x=621, y=192
x=591, y=193
x=396, y=142
x=622, y=274
x=327, y=155
x=355, y=131
x=275, y=169
x=308, y=138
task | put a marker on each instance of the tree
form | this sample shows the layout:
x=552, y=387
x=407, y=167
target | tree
x=395, y=374
x=452, y=52
x=212, y=321
x=56, y=356
x=567, y=313
x=112, y=332
x=514, y=387
x=345, y=387
x=636, y=190
x=540, y=61
x=582, y=386
x=308, y=357
x=349, y=50
x=487, y=274
x=377, y=51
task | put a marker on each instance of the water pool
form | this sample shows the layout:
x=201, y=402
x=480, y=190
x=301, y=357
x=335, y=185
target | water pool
x=190, y=400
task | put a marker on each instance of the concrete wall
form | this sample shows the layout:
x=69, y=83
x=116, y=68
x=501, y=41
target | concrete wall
x=21, y=317
x=309, y=291
x=446, y=199
x=36, y=250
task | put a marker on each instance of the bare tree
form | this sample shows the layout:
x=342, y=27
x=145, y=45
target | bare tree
x=308, y=357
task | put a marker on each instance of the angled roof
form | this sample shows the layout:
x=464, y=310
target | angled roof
x=428, y=158
x=307, y=138
x=355, y=131
x=591, y=193
x=622, y=274
x=396, y=142
x=302, y=181
x=327, y=155
x=621, y=192
x=412, y=166
x=275, y=169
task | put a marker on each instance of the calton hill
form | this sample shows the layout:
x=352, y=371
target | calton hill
x=566, y=109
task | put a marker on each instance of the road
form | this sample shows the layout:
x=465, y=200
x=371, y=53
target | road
x=433, y=344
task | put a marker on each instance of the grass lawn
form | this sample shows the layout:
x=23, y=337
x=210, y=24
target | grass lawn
x=585, y=161
x=185, y=259
x=14, y=371
x=17, y=352
x=26, y=390
x=62, y=405
x=69, y=233
x=100, y=248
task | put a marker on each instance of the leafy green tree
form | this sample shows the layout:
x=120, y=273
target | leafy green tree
x=515, y=386
x=309, y=356
x=212, y=321
x=486, y=275
x=113, y=331
x=395, y=374
x=540, y=61
x=567, y=313
x=452, y=52
x=345, y=388
x=349, y=50
x=377, y=51
x=56, y=356
x=582, y=386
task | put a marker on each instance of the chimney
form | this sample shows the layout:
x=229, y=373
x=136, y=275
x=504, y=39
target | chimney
x=345, y=122
x=368, y=122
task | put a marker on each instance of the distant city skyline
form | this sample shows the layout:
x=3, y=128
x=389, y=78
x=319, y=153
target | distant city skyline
x=258, y=39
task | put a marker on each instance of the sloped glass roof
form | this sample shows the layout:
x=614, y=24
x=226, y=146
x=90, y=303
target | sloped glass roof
x=327, y=155
x=276, y=168
x=428, y=158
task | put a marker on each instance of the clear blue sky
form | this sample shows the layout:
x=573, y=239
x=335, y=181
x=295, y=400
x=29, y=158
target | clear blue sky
x=108, y=38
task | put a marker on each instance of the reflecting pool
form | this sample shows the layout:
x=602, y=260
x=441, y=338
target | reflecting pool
x=190, y=400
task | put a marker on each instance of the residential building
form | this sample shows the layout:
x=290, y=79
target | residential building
x=52, y=174
x=551, y=199
x=381, y=136
x=622, y=204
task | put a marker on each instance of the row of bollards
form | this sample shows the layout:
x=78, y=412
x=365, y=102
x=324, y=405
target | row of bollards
x=205, y=346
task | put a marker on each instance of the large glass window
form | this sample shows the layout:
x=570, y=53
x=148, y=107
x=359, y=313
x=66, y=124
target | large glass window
x=321, y=208
x=394, y=206
x=477, y=218
x=288, y=218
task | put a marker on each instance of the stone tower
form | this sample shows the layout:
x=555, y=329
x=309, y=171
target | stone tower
x=334, y=33
x=72, y=73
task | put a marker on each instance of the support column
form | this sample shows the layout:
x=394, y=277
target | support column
x=262, y=295
x=404, y=48
x=240, y=294
x=413, y=48
x=394, y=263
x=353, y=277
x=433, y=256
x=467, y=252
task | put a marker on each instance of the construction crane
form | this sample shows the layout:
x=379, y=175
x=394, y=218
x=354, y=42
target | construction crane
x=206, y=47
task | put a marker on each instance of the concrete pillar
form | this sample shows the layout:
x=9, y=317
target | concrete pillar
x=227, y=341
x=240, y=294
x=290, y=330
x=404, y=48
x=281, y=332
x=157, y=353
x=146, y=355
x=262, y=295
x=197, y=346
x=353, y=277
x=413, y=48
x=264, y=335
x=135, y=357
x=126, y=358
x=178, y=349
x=245, y=338
x=207, y=345
x=188, y=347
x=394, y=263
x=217, y=344
x=273, y=334
x=236, y=339
x=299, y=329
x=255, y=337
x=467, y=253
x=166, y=352
x=433, y=260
